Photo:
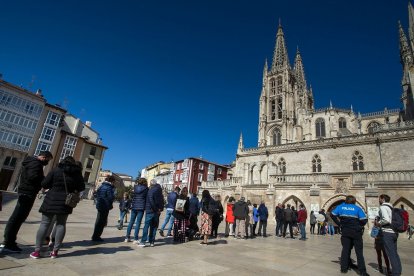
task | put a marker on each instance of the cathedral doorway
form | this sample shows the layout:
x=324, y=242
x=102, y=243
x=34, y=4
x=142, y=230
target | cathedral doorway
x=334, y=204
x=293, y=201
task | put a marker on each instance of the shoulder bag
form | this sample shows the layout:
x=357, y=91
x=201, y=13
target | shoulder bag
x=72, y=199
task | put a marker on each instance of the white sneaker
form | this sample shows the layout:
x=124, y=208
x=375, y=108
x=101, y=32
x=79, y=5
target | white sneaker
x=152, y=244
x=141, y=244
x=127, y=240
x=136, y=242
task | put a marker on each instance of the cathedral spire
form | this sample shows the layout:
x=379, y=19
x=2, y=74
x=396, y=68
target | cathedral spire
x=265, y=72
x=241, y=146
x=280, y=55
x=411, y=23
x=405, y=51
x=299, y=71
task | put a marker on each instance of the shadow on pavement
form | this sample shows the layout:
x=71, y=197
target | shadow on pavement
x=95, y=250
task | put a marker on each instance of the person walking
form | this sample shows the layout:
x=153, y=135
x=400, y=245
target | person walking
x=302, y=216
x=352, y=219
x=288, y=220
x=312, y=221
x=207, y=211
x=171, y=200
x=240, y=211
x=389, y=236
x=153, y=207
x=181, y=214
x=105, y=196
x=263, y=215
x=229, y=218
x=139, y=198
x=279, y=220
x=124, y=206
x=65, y=178
x=30, y=184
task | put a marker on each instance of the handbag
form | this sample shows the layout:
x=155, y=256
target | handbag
x=72, y=199
x=179, y=205
x=374, y=231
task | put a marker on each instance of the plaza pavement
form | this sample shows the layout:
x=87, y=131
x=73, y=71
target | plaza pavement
x=260, y=256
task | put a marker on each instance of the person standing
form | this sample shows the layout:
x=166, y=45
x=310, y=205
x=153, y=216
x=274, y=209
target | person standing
x=65, y=178
x=153, y=207
x=331, y=224
x=255, y=219
x=171, y=201
x=352, y=219
x=181, y=214
x=249, y=220
x=312, y=221
x=217, y=217
x=379, y=248
x=194, y=212
x=207, y=212
x=229, y=218
x=139, y=199
x=288, y=220
x=263, y=215
x=240, y=211
x=389, y=236
x=302, y=216
x=105, y=196
x=124, y=206
x=30, y=184
x=279, y=220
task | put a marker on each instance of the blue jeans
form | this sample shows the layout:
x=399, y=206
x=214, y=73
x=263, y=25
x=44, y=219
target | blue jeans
x=151, y=221
x=331, y=229
x=121, y=218
x=302, y=230
x=168, y=217
x=390, y=245
x=136, y=217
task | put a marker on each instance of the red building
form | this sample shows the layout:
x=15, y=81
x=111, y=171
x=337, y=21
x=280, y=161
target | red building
x=192, y=171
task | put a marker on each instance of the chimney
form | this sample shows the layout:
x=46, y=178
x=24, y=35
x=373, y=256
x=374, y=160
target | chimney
x=88, y=123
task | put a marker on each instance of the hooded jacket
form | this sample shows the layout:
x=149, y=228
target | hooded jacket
x=54, y=202
x=240, y=210
x=155, y=200
x=139, y=198
x=263, y=213
x=229, y=213
x=105, y=196
x=31, y=177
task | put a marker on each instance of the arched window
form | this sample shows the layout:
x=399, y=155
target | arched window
x=282, y=165
x=316, y=164
x=273, y=109
x=320, y=128
x=277, y=137
x=372, y=126
x=342, y=122
x=279, y=107
x=273, y=87
x=279, y=84
x=357, y=161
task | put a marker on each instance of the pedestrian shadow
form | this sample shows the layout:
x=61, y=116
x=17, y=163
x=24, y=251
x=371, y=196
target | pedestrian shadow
x=352, y=265
x=217, y=242
x=376, y=267
x=94, y=251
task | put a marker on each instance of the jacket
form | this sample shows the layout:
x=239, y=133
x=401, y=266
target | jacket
x=385, y=214
x=312, y=219
x=249, y=218
x=54, y=201
x=105, y=196
x=186, y=213
x=171, y=200
x=229, y=213
x=31, y=177
x=194, y=206
x=288, y=215
x=351, y=218
x=139, y=197
x=279, y=213
x=255, y=215
x=124, y=205
x=302, y=216
x=262, y=211
x=240, y=210
x=155, y=200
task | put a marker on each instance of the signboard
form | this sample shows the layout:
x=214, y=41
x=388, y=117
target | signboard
x=314, y=207
x=373, y=212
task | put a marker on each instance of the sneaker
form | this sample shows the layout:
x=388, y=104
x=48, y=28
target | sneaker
x=152, y=244
x=10, y=248
x=127, y=240
x=135, y=242
x=141, y=244
x=35, y=255
x=53, y=254
x=170, y=236
x=161, y=233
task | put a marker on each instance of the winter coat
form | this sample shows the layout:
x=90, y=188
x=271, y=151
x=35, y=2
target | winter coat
x=54, y=201
x=312, y=219
x=155, y=200
x=302, y=216
x=229, y=213
x=124, y=205
x=31, y=177
x=205, y=204
x=194, y=206
x=171, y=200
x=255, y=215
x=105, y=196
x=288, y=215
x=186, y=213
x=240, y=210
x=218, y=216
x=279, y=213
x=139, y=197
x=263, y=213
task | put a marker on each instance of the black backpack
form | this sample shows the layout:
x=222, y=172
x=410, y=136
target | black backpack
x=212, y=207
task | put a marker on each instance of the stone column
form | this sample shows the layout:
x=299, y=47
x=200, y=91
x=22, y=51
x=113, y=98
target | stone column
x=371, y=199
x=270, y=204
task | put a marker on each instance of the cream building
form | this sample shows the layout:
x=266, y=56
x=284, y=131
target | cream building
x=318, y=156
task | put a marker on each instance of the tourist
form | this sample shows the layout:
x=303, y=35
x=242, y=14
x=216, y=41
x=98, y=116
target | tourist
x=352, y=219
x=255, y=219
x=194, y=212
x=240, y=211
x=30, y=184
x=181, y=215
x=379, y=248
x=330, y=224
x=288, y=220
x=263, y=215
x=279, y=220
x=295, y=221
x=65, y=178
x=124, y=206
x=249, y=220
x=312, y=221
x=139, y=198
x=171, y=200
x=217, y=217
x=229, y=218
x=154, y=205
x=207, y=206
x=389, y=236
x=302, y=216
x=323, y=222
x=105, y=196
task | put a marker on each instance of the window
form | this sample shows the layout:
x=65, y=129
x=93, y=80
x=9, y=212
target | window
x=219, y=171
x=90, y=163
x=357, y=161
x=282, y=165
x=177, y=177
x=320, y=128
x=277, y=137
x=342, y=122
x=273, y=109
x=279, y=85
x=52, y=118
x=68, y=147
x=316, y=164
x=201, y=166
x=48, y=133
x=86, y=176
x=200, y=177
x=372, y=126
x=273, y=86
x=92, y=151
x=279, y=107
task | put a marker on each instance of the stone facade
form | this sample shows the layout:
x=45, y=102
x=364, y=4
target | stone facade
x=318, y=156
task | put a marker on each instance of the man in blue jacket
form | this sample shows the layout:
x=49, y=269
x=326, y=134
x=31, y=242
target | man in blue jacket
x=105, y=196
x=153, y=208
x=351, y=218
x=171, y=200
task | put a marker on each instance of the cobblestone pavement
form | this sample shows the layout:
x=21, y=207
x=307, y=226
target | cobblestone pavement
x=225, y=256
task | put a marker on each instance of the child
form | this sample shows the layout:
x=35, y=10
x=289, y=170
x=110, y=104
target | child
x=124, y=206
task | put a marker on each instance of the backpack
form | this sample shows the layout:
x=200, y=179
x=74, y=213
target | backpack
x=212, y=207
x=399, y=220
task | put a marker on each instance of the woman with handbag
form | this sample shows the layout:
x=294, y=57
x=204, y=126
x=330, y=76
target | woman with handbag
x=181, y=215
x=64, y=183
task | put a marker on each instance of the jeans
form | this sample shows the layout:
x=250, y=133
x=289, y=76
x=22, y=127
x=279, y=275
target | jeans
x=302, y=227
x=331, y=229
x=390, y=245
x=21, y=212
x=60, y=228
x=279, y=227
x=121, y=218
x=100, y=223
x=262, y=223
x=136, y=217
x=290, y=229
x=168, y=217
x=312, y=228
x=151, y=221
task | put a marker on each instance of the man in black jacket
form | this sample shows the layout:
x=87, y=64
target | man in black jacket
x=30, y=184
x=240, y=212
x=279, y=220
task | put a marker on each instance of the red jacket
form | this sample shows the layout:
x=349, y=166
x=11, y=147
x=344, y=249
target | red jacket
x=229, y=213
x=302, y=215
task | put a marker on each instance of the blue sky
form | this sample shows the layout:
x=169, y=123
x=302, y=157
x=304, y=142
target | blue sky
x=166, y=80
